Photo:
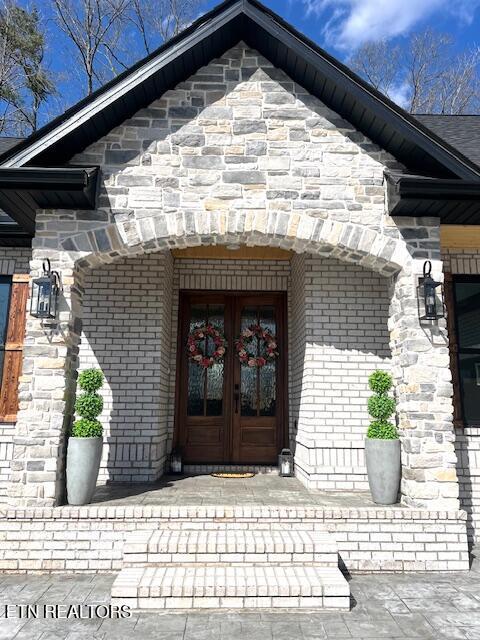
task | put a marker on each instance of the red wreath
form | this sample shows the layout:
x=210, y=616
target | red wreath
x=196, y=354
x=246, y=337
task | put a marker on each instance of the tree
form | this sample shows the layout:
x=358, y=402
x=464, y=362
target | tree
x=109, y=35
x=160, y=20
x=427, y=77
x=25, y=83
x=94, y=27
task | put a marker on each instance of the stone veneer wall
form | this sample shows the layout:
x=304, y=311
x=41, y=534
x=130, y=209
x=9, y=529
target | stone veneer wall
x=12, y=261
x=126, y=333
x=467, y=442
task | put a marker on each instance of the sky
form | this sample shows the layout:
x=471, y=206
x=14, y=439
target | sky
x=339, y=26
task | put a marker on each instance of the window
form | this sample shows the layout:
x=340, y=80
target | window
x=13, y=306
x=466, y=290
x=5, y=289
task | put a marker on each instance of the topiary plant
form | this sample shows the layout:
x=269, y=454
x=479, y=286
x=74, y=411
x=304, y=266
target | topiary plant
x=381, y=407
x=89, y=405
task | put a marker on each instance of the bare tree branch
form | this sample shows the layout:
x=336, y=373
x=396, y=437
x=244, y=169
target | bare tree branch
x=94, y=28
x=427, y=77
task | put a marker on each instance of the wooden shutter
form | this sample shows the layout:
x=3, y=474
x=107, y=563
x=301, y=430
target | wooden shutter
x=12, y=364
x=452, y=335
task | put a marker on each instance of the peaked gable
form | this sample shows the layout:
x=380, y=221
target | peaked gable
x=418, y=148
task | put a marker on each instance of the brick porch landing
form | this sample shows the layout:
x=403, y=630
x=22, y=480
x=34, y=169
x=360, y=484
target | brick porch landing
x=261, y=490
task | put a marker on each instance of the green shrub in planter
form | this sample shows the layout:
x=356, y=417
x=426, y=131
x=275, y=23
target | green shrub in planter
x=89, y=405
x=85, y=428
x=382, y=446
x=90, y=380
x=381, y=407
x=84, y=450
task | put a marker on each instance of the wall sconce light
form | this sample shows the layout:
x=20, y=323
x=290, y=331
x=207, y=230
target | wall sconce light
x=45, y=290
x=431, y=304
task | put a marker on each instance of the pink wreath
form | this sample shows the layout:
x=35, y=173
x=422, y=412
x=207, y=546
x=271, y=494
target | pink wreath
x=196, y=354
x=246, y=338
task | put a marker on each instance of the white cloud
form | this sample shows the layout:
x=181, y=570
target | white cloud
x=400, y=94
x=353, y=22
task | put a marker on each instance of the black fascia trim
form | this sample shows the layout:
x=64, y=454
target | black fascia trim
x=39, y=178
x=409, y=187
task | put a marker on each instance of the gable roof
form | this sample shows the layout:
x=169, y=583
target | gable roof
x=461, y=131
x=7, y=142
x=418, y=148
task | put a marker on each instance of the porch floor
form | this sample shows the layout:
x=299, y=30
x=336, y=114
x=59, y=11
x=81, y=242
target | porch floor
x=262, y=489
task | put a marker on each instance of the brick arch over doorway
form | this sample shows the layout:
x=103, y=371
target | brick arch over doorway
x=419, y=358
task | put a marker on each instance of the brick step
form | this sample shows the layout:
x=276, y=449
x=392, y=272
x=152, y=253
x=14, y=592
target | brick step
x=233, y=546
x=254, y=586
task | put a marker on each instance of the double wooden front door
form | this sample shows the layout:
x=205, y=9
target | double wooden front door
x=231, y=412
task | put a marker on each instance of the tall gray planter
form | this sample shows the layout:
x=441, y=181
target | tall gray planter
x=83, y=463
x=384, y=469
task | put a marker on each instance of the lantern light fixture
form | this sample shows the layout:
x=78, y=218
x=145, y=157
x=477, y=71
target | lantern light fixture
x=431, y=304
x=176, y=462
x=44, y=295
x=285, y=463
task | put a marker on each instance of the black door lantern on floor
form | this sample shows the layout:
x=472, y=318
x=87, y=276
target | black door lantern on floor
x=431, y=304
x=45, y=290
x=176, y=462
x=285, y=463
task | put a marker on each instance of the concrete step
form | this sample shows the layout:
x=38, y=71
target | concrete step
x=146, y=548
x=243, y=586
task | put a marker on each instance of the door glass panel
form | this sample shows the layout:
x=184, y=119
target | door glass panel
x=268, y=389
x=258, y=384
x=248, y=391
x=214, y=404
x=248, y=375
x=196, y=378
x=196, y=385
x=205, y=386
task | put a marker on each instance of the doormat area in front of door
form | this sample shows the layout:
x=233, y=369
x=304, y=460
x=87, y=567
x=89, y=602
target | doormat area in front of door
x=221, y=474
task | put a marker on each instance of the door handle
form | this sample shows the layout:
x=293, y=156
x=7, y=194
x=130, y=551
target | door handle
x=236, y=395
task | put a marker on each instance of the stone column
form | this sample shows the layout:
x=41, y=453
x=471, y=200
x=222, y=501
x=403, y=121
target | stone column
x=421, y=370
x=47, y=391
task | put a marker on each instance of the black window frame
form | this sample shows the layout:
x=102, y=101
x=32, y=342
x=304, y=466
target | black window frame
x=460, y=279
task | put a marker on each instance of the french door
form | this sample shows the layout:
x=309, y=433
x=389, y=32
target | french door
x=232, y=411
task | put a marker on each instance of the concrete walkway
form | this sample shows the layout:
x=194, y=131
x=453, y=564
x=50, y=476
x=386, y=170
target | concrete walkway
x=428, y=606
